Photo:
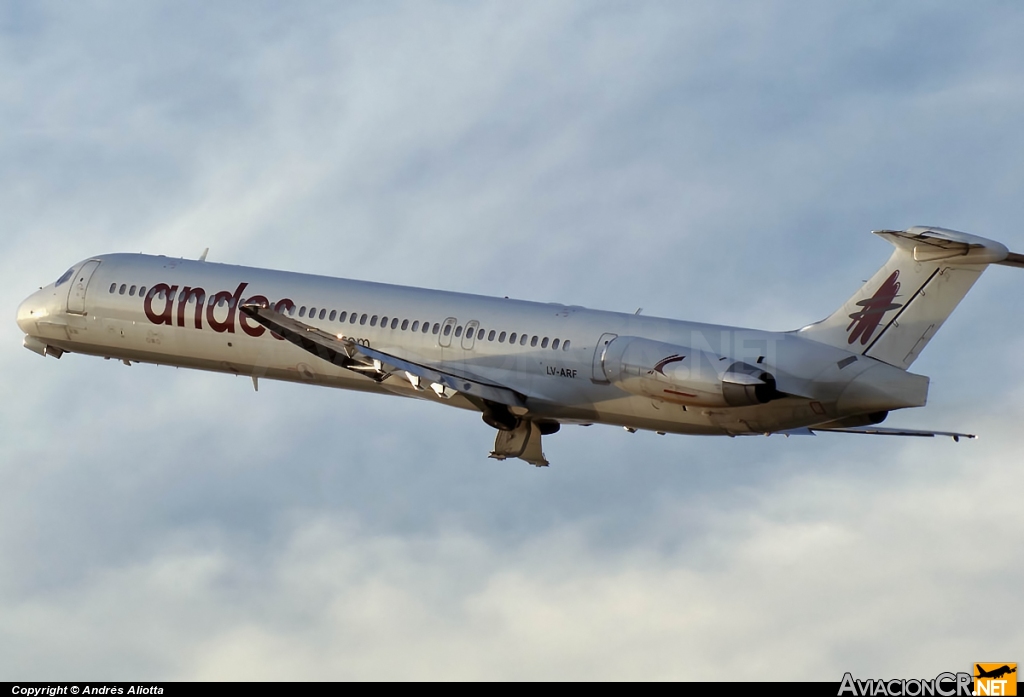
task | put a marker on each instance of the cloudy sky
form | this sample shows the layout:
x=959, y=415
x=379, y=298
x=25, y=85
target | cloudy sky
x=706, y=162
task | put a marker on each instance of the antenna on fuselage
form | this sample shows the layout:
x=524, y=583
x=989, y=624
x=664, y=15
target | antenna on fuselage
x=202, y=257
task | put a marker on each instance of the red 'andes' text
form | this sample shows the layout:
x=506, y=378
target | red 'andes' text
x=175, y=306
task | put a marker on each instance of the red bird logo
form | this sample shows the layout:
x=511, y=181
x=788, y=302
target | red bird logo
x=660, y=368
x=866, y=320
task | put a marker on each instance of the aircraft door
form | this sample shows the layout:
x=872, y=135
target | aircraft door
x=598, y=372
x=469, y=337
x=447, y=330
x=76, y=293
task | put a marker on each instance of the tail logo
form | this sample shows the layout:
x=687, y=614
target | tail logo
x=873, y=309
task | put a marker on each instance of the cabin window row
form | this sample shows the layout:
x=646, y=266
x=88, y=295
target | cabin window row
x=375, y=320
x=425, y=327
x=141, y=291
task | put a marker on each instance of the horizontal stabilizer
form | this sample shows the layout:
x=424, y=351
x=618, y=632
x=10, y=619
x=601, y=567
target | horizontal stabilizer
x=934, y=244
x=374, y=364
x=1013, y=259
x=879, y=431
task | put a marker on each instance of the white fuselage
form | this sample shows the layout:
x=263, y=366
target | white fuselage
x=184, y=313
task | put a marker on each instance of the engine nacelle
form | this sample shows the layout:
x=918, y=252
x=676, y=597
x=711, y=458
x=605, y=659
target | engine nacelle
x=683, y=375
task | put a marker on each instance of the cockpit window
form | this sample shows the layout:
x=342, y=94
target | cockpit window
x=64, y=279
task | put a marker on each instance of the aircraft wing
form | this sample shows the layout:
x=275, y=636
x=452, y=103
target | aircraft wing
x=879, y=431
x=374, y=364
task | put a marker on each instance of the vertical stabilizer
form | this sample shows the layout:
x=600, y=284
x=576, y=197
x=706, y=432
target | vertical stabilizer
x=897, y=312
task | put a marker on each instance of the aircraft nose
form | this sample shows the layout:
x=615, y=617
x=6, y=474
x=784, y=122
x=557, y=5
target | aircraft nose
x=28, y=313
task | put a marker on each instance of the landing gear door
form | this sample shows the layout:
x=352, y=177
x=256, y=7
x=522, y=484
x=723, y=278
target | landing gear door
x=598, y=372
x=76, y=294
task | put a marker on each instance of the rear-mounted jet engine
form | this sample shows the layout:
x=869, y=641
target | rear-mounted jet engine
x=685, y=376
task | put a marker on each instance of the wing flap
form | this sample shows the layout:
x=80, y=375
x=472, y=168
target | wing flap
x=377, y=365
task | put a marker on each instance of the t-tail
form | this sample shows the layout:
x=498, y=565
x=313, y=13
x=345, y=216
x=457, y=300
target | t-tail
x=898, y=311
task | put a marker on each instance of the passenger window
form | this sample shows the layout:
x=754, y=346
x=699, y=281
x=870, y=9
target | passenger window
x=544, y=343
x=131, y=291
x=512, y=339
x=458, y=330
x=373, y=321
x=322, y=313
x=341, y=317
x=302, y=310
x=394, y=323
x=384, y=322
x=565, y=346
x=533, y=341
x=501, y=338
x=522, y=340
x=405, y=324
x=436, y=328
x=554, y=345
x=113, y=287
x=362, y=320
x=480, y=335
x=142, y=291
x=447, y=329
x=124, y=288
x=334, y=313
x=490, y=336
x=415, y=326
x=352, y=318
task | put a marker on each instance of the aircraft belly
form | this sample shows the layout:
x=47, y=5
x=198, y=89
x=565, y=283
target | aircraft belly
x=349, y=381
x=653, y=415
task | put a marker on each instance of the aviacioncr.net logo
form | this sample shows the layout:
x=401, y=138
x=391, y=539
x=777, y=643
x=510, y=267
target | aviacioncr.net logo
x=942, y=685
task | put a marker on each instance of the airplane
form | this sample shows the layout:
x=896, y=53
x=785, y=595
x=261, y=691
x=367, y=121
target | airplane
x=995, y=673
x=527, y=367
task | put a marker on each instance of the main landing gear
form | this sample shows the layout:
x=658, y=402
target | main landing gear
x=518, y=437
x=523, y=442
